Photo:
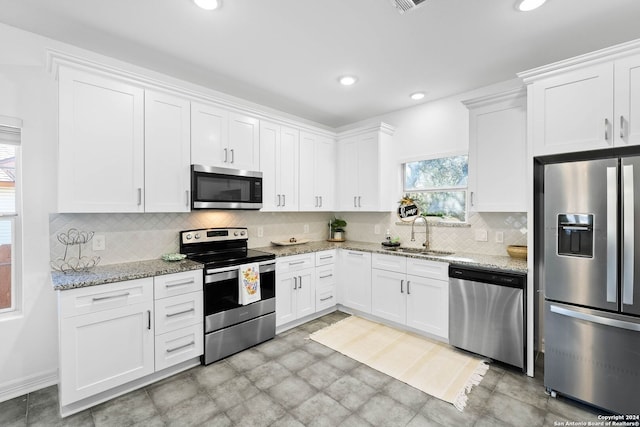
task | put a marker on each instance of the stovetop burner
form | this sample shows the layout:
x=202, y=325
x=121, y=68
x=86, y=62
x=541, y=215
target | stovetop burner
x=220, y=247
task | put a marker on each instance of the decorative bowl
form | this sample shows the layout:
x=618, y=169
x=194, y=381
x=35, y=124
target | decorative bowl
x=517, y=251
x=173, y=257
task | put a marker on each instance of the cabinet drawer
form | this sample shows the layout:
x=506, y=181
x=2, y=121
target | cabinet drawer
x=177, y=283
x=325, y=275
x=178, y=346
x=295, y=263
x=178, y=312
x=426, y=268
x=389, y=262
x=97, y=298
x=325, y=297
x=325, y=257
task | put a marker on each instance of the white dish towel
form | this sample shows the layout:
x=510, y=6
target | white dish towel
x=249, y=283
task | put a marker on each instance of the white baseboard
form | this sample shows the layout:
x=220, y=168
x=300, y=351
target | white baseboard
x=26, y=385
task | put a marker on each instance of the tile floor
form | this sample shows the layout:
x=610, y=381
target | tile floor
x=293, y=381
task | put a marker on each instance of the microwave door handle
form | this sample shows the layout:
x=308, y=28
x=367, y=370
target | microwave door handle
x=612, y=233
x=628, y=236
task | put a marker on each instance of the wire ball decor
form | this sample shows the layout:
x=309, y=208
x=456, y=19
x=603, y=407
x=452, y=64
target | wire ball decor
x=74, y=237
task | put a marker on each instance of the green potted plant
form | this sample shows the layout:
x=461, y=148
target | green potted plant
x=337, y=226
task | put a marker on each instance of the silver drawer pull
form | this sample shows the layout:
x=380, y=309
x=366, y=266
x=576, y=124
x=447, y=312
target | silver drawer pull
x=356, y=253
x=171, y=350
x=327, y=298
x=326, y=257
x=328, y=275
x=184, y=282
x=297, y=263
x=181, y=312
x=126, y=294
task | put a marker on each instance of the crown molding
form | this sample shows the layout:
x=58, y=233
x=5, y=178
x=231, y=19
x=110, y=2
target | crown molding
x=508, y=95
x=383, y=127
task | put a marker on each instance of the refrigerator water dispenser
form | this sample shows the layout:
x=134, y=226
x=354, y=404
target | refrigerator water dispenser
x=575, y=235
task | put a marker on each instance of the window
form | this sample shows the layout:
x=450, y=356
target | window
x=438, y=186
x=9, y=153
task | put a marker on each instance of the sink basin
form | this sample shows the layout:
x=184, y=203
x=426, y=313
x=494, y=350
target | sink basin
x=420, y=251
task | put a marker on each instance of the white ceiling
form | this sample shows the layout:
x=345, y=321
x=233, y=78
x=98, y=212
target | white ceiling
x=287, y=54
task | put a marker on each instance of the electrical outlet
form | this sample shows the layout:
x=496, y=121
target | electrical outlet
x=481, y=235
x=376, y=229
x=306, y=229
x=99, y=242
x=499, y=237
x=260, y=232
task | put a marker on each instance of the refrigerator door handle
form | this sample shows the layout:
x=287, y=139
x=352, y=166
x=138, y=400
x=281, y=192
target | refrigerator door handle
x=615, y=323
x=628, y=211
x=612, y=234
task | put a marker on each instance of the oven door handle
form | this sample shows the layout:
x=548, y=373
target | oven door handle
x=221, y=276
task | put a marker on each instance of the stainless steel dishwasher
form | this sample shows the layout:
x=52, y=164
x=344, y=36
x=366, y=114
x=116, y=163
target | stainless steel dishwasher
x=487, y=313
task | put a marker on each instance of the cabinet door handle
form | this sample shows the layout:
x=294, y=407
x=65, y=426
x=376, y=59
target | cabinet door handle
x=295, y=283
x=606, y=129
x=187, y=197
x=284, y=200
x=181, y=312
x=354, y=201
x=300, y=285
x=402, y=286
x=408, y=287
x=149, y=319
x=139, y=196
x=471, y=198
x=320, y=201
x=621, y=127
x=232, y=155
x=279, y=203
x=359, y=204
x=327, y=298
x=316, y=205
x=126, y=294
x=171, y=350
x=225, y=155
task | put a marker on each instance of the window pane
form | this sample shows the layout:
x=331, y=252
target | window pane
x=445, y=172
x=444, y=203
x=6, y=228
x=7, y=178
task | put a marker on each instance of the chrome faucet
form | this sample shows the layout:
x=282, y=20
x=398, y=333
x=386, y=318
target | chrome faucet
x=426, y=231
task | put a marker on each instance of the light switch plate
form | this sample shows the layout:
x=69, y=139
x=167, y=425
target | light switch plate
x=260, y=232
x=99, y=242
x=306, y=228
x=376, y=229
x=499, y=237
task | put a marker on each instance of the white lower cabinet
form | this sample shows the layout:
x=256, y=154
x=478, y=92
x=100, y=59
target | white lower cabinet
x=106, y=337
x=355, y=280
x=116, y=333
x=325, y=280
x=418, y=301
x=295, y=288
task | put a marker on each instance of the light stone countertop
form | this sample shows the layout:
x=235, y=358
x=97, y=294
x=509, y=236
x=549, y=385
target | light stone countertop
x=102, y=274
x=494, y=262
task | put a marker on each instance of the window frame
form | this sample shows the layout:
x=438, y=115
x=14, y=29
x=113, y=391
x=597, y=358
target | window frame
x=11, y=134
x=464, y=189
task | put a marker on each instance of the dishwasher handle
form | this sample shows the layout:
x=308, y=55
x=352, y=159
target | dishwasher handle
x=494, y=277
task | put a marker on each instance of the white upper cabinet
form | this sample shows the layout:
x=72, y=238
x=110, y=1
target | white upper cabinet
x=167, y=153
x=498, y=152
x=317, y=173
x=101, y=144
x=279, y=165
x=585, y=103
x=223, y=138
x=366, y=181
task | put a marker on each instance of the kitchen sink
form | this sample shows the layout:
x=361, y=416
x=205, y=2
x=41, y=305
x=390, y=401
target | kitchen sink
x=420, y=251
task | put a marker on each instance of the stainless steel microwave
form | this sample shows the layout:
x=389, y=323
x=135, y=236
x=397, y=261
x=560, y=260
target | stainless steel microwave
x=222, y=188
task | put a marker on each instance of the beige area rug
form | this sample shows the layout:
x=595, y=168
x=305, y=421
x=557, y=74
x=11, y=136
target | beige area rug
x=430, y=366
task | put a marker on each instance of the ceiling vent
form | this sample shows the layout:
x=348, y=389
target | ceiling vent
x=404, y=5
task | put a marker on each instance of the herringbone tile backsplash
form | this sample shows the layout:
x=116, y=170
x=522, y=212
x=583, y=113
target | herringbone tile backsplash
x=134, y=237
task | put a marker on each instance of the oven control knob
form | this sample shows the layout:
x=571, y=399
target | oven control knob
x=197, y=236
x=188, y=236
x=242, y=233
x=235, y=233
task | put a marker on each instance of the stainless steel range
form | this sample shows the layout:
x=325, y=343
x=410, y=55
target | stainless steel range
x=230, y=326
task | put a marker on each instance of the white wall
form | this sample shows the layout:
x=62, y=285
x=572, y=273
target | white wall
x=28, y=339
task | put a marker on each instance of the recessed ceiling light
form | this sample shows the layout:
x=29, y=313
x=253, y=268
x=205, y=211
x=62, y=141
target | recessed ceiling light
x=207, y=4
x=528, y=5
x=417, y=96
x=347, y=80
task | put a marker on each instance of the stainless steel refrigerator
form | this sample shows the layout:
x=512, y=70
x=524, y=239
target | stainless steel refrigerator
x=589, y=269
